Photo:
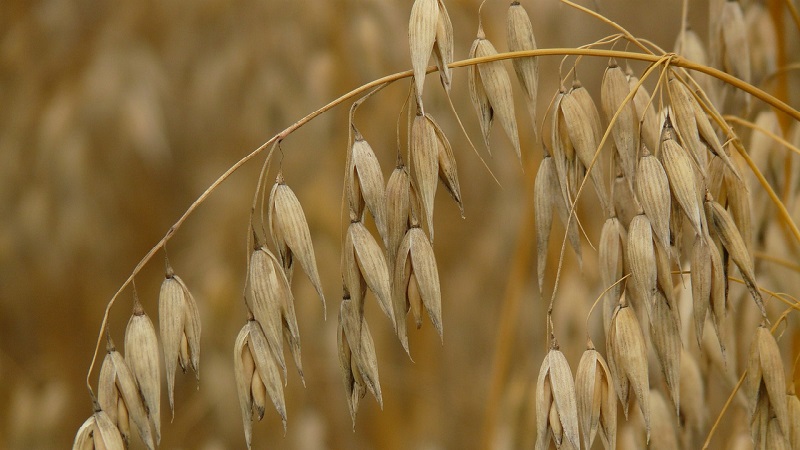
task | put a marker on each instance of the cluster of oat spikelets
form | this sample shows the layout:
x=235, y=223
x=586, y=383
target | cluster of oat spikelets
x=669, y=167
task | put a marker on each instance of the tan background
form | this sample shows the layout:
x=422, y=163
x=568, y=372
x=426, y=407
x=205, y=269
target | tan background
x=114, y=116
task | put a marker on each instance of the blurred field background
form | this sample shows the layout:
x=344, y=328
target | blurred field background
x=114, y=117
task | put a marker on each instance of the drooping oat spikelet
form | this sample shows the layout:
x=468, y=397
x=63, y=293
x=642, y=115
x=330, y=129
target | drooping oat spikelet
x=179, y=326
x=422, y=27
x=118, y=392
x=365, y=186
x=582, y=124
x=357, y=358
x=645, y=112
x=443, y=46
x=425, y=164
x=765, y=385
x=556, y=406
x=664, y=426
x=682, y=115
x=98, y=432
x=732, y=42
x=627, y=359
x=107, y=392
x=479, y=98
x=519, y=32
x=652, y=187
x=415, y=274
x=365, y=265
x=611, y=253
x=269, y=299
x=563, y=153
x=775, y=438
x=545, y=188
x=665, y=335
x=680, y=174
x=625, y=131
x=664, y=279
x=689, y=45
x=719, y=296
x=723, y=227
x=141, y=354
x=84, y=438
x=448, y=172
x=257, y=376
x=490, y=90
x=596, y=399
x=738, y=202
x=642, y=259
x=398, y=209
x=626, y=205
x=701, y=284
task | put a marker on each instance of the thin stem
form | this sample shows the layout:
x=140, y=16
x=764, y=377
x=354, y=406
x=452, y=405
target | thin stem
x=674, y=60
x=204, y=196
x=599, y=297
x=610, y=22
x=760, y=129
x=776, y=260
x=779, y=295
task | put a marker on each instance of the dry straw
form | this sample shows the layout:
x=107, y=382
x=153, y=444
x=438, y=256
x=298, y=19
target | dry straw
x=663, y=173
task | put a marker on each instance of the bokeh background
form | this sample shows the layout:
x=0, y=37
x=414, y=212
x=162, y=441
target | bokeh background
x=115, y=116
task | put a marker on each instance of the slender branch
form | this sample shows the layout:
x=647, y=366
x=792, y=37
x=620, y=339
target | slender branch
x=610, y=22
x=778, y=261
x=760, y=129
x=674, y=60
x=231, y=170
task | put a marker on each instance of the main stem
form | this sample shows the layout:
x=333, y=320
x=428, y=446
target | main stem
x=675, y=60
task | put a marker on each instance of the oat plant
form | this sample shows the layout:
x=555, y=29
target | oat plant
x=687, y=187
